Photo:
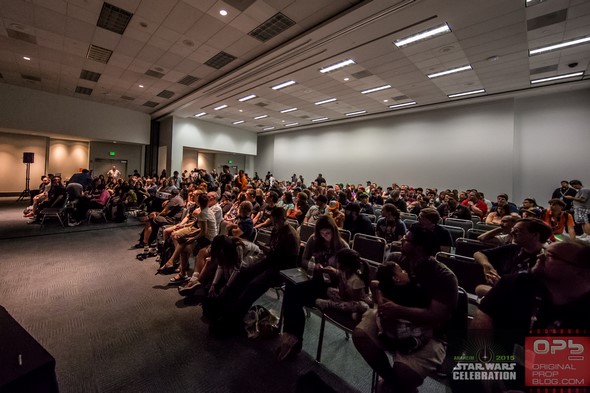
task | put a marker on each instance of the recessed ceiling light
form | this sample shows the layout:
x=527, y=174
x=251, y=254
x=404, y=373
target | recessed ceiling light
x=402, y=105
x=240, y=110
x=385, y=100
x=220, y=107
x=238, y=122
x=438, y=30
x=291, y=124
x=565, y=44
x=282, y=85
x=26, y=58
x=554, y=78
x=356, y=113
x=337, y=66
x=346, y=79
x=260, y=117
x=466, y=93
x=200, y=114
x=451, y=71
x=374, y=89
x=222, y=12
x=247, y=98
x=268, y=128
x=114, y=141
x=320, y=119
x=288, y=110
x=141, y=86
x=325, y=101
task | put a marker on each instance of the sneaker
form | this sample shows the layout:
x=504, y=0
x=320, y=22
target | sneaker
x=583, y=236
x=288, y=346
x=139, y=245
x=74, y=223
x=190, y=288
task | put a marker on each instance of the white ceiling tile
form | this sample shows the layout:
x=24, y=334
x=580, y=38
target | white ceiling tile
x=137, y=34
x=173, y=76
x=75, y=47
x=244, y=23
x=205, y=28
x=106, y=39
x=51, y=41
x=120, y=60
x=182, y=17
x=78, y=30
x=226, y=37
x=49, y=20
x=155, y=10
x=181, y=49
x=82, y=14
x=260, y=11
x=169, y=60
x=202, y=5
x=139, y=66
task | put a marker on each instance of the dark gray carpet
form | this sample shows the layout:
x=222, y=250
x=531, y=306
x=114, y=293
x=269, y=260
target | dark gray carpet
x=115, y=327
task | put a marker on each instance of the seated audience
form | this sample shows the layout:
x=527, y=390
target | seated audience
x=429, y=219
x=501, y=235
x=170, y=215
x=559, y=220
x=355, y=222
x=475, y=204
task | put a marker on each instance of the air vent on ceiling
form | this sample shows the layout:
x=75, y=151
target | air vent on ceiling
x=19, y=35
x=240, y=5
x=261, y=104
x=83, y=90
x=542, y=70
x=97, y=53
x=89, y=75
x=155, y=74
x=220, y=60
x=272, y=27
x=30, y=78
x=113, y=18
x=151, y=104
x=546, y=20
x=362, y=74
x=400, y=98
x=166, y=94
x=188, y=80
x=127, y=98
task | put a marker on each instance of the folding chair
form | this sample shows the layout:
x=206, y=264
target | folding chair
x=102, y=212
x=345, y=235
x=369, y=247
x=55, y=212
x=456, y=232
x=484, y=226
x=474, y=233
x=377, y=211
x=468, y=247
x=469, y=273
x=411, y=216
x=263, y=237
x=293, y=222
x=409, y=222
x=455, y=222
x=305, y=232
x=371, y=217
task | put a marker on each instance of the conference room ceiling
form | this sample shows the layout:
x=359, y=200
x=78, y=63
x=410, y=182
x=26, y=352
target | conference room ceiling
x=183, y=58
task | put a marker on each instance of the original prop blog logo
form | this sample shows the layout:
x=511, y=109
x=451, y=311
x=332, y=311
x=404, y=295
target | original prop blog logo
x=557, y=361
x=484, y=365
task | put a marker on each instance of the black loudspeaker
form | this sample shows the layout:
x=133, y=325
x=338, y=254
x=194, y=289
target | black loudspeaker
x=28, y=157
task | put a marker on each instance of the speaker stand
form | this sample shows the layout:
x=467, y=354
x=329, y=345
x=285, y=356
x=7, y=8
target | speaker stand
x=26, y=192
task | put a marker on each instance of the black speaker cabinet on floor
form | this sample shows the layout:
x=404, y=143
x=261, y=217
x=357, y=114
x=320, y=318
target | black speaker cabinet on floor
x=28, y=157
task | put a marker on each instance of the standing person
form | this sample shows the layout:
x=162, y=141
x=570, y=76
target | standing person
x=581, y=204
x=563, y=191
x=438, y=286
x=320, y=180
x=114, y=173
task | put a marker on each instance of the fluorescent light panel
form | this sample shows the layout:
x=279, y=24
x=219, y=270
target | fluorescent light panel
x=325, y=101
x=565, y=44
x=268, y=128
x=247, y=98
x=337, y=66
x=430, y=33
x=356, y=113
x=554, y=78
x=402, y=105
x=200, y=114
x=238, y=122
x=374, y=89
x=220, y=107
x=451, y=71
x=260, y=117
x=288, y=110
x=320, y=119
x=283, y=85
x=291, y=124
x=466, y=93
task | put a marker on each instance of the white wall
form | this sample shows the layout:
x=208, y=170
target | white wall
x=553, y=143
x=522, y=146
x=442, y=148
x=33, y=110
x=202, y=135
x=67, y=157
x=133, y=154
x=12, y=169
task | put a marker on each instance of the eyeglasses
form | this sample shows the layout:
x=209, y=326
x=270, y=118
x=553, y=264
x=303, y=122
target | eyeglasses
x=544, y=253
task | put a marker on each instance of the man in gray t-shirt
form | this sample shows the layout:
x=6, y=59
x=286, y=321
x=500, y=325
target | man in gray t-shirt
x=581, y=204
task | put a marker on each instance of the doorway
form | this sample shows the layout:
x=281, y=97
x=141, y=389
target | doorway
x=103, y=165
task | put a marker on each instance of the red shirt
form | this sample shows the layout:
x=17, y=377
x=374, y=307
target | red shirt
x=481, y=205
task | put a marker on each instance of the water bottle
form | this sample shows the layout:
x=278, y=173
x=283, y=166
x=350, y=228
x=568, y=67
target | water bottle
x=311, y=267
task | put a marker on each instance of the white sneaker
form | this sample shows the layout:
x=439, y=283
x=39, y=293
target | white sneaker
x=583, y=236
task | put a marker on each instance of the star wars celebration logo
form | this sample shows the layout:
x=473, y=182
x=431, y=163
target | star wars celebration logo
x=484, y=364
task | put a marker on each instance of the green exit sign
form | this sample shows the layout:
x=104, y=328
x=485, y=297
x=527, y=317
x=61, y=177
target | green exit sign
x=112, y=153
x=230, y=162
